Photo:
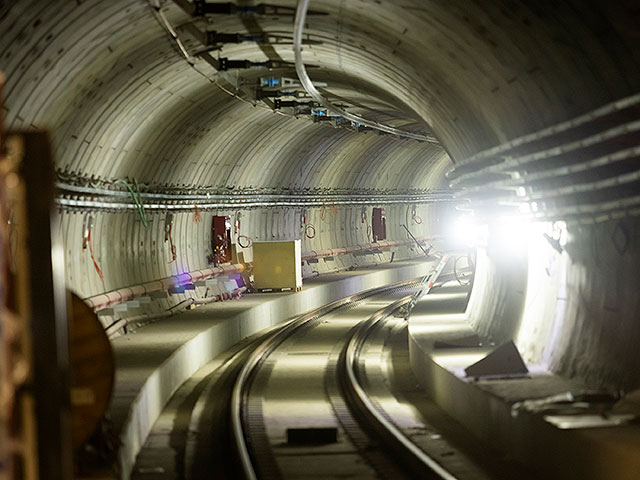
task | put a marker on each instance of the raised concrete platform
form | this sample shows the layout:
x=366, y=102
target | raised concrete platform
x=154, y=361
x=485, y=406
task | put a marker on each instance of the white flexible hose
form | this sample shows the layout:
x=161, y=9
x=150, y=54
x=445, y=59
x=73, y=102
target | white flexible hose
x=303, y=76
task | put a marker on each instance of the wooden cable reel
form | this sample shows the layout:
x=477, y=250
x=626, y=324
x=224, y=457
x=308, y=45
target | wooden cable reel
x=91, y=370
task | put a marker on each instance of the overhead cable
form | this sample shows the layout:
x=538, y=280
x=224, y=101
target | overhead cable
x=303, y=76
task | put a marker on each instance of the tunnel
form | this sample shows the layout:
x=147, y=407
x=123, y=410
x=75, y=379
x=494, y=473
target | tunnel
x=501, y=133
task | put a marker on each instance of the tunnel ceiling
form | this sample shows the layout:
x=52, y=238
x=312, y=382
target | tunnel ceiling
x=123, y=101
x=488, y=79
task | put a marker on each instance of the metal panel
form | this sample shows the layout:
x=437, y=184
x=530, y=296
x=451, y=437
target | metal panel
x=277, y=265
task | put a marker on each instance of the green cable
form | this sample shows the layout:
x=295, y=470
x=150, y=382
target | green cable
x=136, y=199
x=143, y=215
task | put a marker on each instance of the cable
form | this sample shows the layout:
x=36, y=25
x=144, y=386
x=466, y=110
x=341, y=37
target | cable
x=249, y=241
x=309, y=227
x=455, y=269
x=406, y=217
x=173, y=247
x=415, y=218
x=93, y=258
x=236, y=231
x=303, y=76
x=368, y=230
x=137, y=199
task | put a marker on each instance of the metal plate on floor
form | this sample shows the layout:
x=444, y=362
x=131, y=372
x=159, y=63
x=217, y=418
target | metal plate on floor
x=312, y=436
x=573, y=422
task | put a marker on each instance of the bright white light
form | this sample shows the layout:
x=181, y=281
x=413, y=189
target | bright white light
x=507, y=234
x=511, y=235
x=510, y=230
x=465, y=230
x=525, y=209
x=560, y=232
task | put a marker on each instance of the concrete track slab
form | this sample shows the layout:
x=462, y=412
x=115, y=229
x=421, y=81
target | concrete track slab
x=152, y=362
x=484, y=406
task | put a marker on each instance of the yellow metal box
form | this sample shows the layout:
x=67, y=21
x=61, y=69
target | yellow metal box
x=277, y=265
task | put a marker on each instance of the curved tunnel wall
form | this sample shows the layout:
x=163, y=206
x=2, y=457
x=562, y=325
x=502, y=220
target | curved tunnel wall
x=574, y=312
x=122, y=102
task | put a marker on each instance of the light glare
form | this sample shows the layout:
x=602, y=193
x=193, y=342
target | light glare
x=465, y=230
x=511, y=234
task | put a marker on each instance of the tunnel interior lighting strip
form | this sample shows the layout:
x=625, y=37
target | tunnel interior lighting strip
x=301, y=15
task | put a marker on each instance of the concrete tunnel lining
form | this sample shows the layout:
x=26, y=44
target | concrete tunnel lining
x=122, y=102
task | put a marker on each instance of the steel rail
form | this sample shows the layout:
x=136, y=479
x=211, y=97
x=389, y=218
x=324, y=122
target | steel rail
x=259, y=355
x=361, y=403
x=305, y=81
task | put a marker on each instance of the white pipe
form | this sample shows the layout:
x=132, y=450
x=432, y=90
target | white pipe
x=298, y=28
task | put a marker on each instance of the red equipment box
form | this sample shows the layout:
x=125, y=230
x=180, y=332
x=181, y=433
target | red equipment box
x=221, y=239
x=379, y=224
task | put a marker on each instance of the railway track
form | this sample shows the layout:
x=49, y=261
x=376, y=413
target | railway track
x=343, y=421
x=295, y=403
x=371, y=416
